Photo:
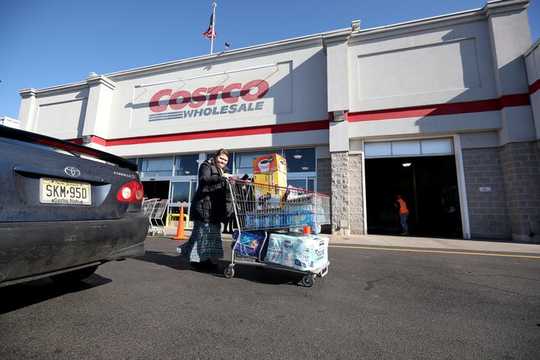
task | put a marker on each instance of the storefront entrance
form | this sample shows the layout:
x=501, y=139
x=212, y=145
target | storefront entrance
x=429, y=187
x=428, y=184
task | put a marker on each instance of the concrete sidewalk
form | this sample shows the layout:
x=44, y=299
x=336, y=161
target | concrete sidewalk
x=409, y=242
x=386, y=241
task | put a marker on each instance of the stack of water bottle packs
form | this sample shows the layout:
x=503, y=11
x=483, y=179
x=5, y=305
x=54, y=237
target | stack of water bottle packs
x=289, y=216
x=277, y=206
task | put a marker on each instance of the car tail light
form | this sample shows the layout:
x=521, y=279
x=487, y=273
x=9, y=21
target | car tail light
x=130, y=192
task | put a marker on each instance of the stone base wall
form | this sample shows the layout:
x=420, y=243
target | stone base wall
x=520, y=164
x=511, y=210
x=488, y=214
x=347, y=199
x=340, y=192
x=356, y=194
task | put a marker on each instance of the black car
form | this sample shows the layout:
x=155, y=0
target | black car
x=64, y=208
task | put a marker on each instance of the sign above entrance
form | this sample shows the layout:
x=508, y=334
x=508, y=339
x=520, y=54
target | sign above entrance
x=205, y=101
x=194, y=100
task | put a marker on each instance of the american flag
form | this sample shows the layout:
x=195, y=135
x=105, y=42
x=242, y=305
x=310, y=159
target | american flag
x=211, y=32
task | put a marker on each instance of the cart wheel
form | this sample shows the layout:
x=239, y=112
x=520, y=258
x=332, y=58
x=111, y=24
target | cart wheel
x=308, y=280
x=229, y=271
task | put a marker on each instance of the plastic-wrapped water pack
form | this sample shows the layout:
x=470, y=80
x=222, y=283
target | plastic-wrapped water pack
x=301, y=252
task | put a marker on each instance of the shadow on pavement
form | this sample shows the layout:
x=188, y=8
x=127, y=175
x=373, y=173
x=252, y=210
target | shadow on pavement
x=247, y=272
x=261, y=274
x=21, y=295
x=175, y=262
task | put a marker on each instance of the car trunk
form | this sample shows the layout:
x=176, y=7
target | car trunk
x=49, y=181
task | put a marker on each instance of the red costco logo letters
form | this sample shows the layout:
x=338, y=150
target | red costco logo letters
x=177, y=100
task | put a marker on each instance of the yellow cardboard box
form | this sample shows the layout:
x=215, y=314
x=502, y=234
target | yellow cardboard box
x=270, y=184
x=270, y=177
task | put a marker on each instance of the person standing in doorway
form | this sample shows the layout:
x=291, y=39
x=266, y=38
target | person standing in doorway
x=401, y=204
x=211, y=206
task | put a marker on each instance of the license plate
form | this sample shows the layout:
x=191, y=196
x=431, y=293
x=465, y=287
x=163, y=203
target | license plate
x=54, y=191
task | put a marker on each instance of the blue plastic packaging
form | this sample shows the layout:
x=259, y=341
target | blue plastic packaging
x=250, y=243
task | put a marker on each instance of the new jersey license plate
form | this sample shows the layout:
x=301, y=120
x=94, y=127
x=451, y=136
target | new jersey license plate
x=54, y=191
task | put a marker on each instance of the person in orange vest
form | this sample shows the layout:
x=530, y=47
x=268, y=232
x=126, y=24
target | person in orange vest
x=403, y=214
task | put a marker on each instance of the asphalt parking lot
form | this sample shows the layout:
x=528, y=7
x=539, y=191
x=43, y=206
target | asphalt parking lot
x=372, y=304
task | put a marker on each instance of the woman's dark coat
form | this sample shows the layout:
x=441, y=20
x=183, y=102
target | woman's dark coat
x=212, y=202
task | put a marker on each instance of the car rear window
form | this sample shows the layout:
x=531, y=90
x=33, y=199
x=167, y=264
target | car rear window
x=63, y=147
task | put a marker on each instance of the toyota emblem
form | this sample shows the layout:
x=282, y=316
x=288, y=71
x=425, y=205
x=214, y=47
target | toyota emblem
x=72, y=171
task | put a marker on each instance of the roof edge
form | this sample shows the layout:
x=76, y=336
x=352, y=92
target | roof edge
x=323, y=36
x=532, y=48
x=424, y=21
x=274, y=44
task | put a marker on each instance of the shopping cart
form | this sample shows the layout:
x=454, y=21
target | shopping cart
x=157, y=226
x=148, y=206
x=261, y=207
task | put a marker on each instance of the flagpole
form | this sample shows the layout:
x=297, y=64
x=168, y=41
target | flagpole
x=213, y=27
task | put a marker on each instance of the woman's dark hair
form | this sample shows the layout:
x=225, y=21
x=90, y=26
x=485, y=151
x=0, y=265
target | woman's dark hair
x=222, y=152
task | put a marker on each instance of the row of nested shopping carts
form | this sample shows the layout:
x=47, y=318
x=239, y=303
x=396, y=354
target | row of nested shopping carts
x=154, y=209
x=274, y=209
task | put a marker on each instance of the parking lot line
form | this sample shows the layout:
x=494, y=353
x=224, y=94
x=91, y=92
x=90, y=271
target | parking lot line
x=435, y=251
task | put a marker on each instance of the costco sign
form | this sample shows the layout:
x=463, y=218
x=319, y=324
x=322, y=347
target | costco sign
x=205, y=101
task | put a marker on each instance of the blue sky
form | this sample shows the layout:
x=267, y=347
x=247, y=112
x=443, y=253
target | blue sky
x=45, y=43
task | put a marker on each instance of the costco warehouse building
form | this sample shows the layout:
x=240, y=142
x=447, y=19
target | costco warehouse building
x=444, y=111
